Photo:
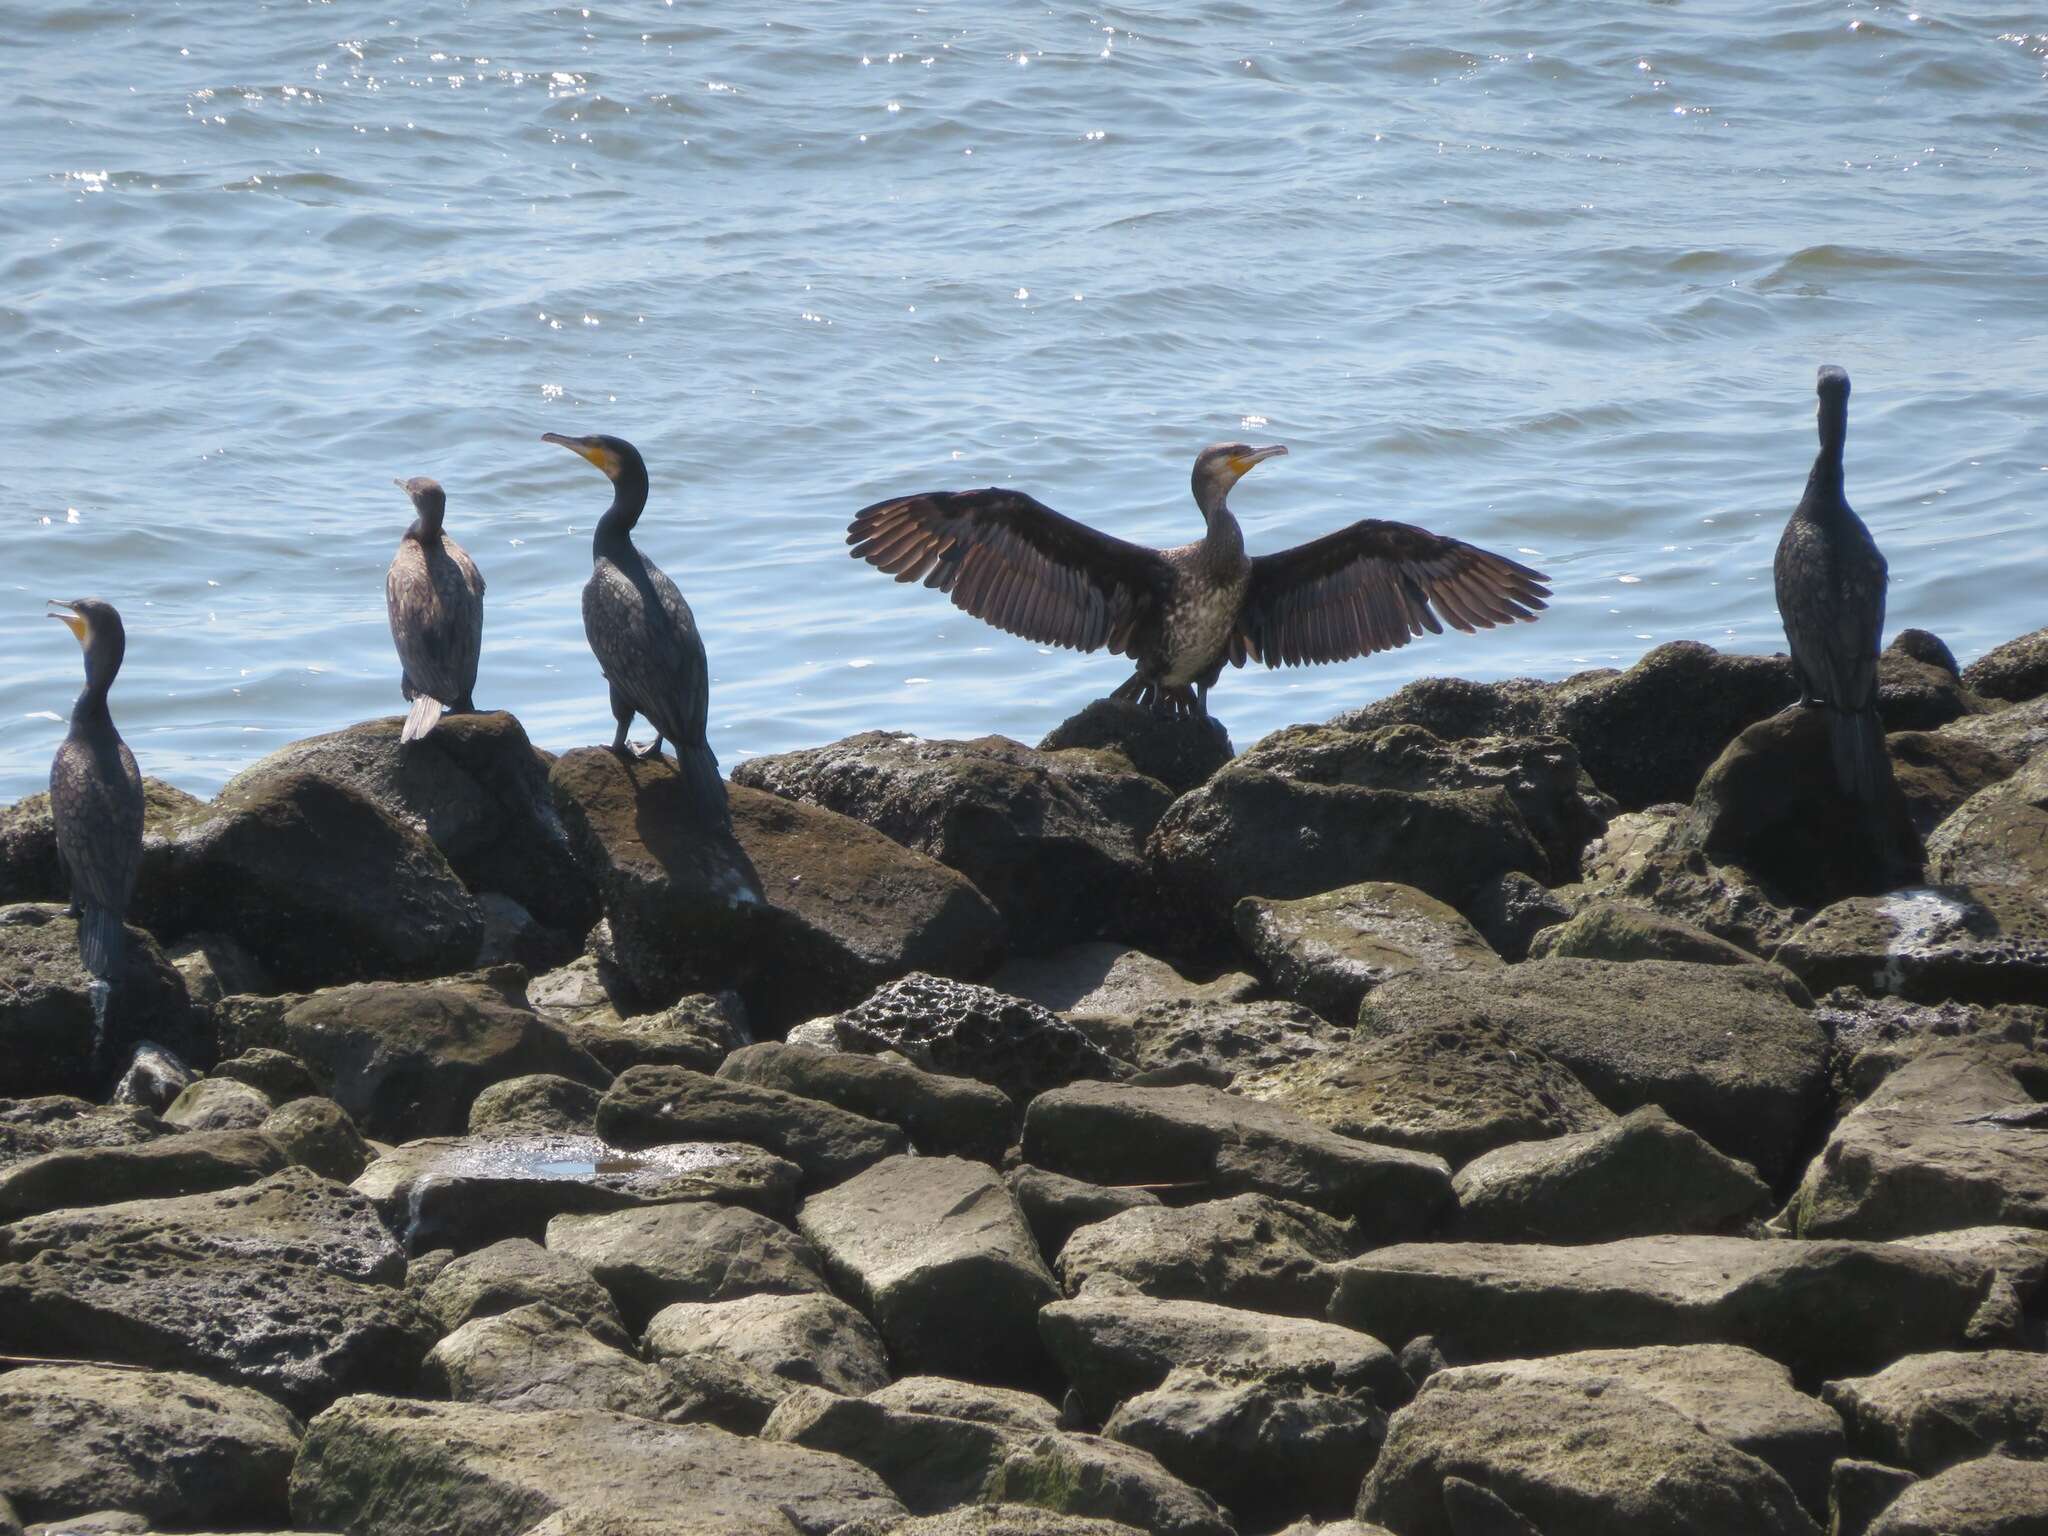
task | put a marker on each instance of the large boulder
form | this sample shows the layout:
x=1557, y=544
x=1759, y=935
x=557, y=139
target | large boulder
x=1928, y=1412
x=191, y=1163
x=855, y=909
x=539, y=1101
x=692, y=1251
x=1180, y=751
x=935, y=1250
x=1822, y=1308
x=1608, y=930
x=538, y=1357
x=1214, y=1141
x=1999, y=836
x=650, y=1105
x=1054, y=839
x=943, y=1115
x=1991, y=1496
x=407, y=1059
x=380, y=1466
x=219, y=1104
x=2014, y=671
x=174, y=1448
x=683, y=904
x=53, y=1122
x=1249, y=1251
x=1456, y=708
x=1936, y=771
x=1327, y=951
x=30, y=869
x=1055, y=1205
x=1642, y=861
x=1719, y=1047
x=1212, y=1041
x=518, y=1272
x=1918, y=687
x=61, y=1032
x=1975, y=944
x=1106, y=979
x=802, y=1338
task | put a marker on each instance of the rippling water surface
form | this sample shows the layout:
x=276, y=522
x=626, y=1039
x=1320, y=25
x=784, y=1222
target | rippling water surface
x=1552, y=278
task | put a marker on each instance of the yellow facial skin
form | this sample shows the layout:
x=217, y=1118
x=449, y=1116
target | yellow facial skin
x=1240, y=463
x=588, y=448
x=72, y=622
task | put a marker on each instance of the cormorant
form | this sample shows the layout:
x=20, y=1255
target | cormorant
x=435, y=597
x=1181, y=613
x=96, y=794
x=642, y=631
x=1831, y=581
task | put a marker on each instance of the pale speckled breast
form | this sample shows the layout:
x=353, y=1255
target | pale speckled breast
x=1199, y=619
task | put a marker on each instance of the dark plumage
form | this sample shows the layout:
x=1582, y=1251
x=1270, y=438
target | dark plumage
x=1831, y=581
x=435, y=597
x=96, y=794
x=1181, y=613
x=642, y=631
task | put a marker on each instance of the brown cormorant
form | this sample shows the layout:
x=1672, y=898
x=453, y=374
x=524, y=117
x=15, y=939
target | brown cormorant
x=1831, y=582
x=435, y=597
x=642, y=631
x=1181, y=613
x=96, y=794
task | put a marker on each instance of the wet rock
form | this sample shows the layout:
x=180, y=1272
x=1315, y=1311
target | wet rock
x=1004, y=1407
x=1456, y=1089
x=294, y=1216
x=682, y=901
x=1717, y=1047
x=539, y=1102
x=1822, y=1308
x=648, y=1105
x=1770, y=805
x=855, y=909
x=153, y=1079
x=1215, y=1041
x=1054, y=839
x=1918, y=688
x=1999, y=836
x=219, y=1104
x=537, y=1357
x=1606, y=930
x=972, y=1031
x=215, y=966
x=1642, y=862
x=175, y=1448
x=190, y=1163
x=1106, y=979
x=942, y=1115
x=29, y=1127
x=1179, y=751
x=51, y=1040
x=1951, y=1139
x=2014, y=671
x=693, y=1251
x=937, y=1253
x=1055, y=1205
x=317, y=1133
x=407, y=1059
x=1639, y=1176
x=811, y=1340
x=467, y=1191
x=1613, y=1461
x=1510, y=910
x=397, y=1468
x=1929, y=1412
x=1992, y=1496
x=281, y=1076
x=1248, y=1251
x=1328, y=951
x=1937, y=771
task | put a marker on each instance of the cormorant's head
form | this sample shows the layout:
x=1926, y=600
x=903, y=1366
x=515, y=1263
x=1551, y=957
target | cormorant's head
x=619, y=459
x=100, y=634
x=1832, y=386
x=1221, y=465
x=428, y=500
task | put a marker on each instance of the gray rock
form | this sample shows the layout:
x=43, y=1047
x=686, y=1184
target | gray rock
x=1606, y=930
x=811, y=1340
x=396, y=1468
x=219, y=1104
x=1327, y=951
x=1106, y=979
x=1822, y=1308
x=1992, y=1496
x=709, y=1386
x=177, y=1449
x=29, y=866
x=466, y=1191
x=1004, y=1407
x=855, y=909
x=1936, y=771
x=191, y=1163
x=942, y=1115
x=519, y=1272
x=1199, y=1136
x=1460, y=1088
x=540, y=1101
x=1978, y=944
x=694, y=1251
x=215, y=966
x=1642, y=1175
x=649, y=1105
x=280, y=1075
x=1179, y=751
x=30, y=1127
x=1999, y=836
x=698, y=1031
x=972, y=1031
x=1918, y=687
x=1929, y=1412
x=539, y=1357
x=1217, y=1040
x=937, y=1253
x=1641, y=861
x=931, y=1463
x=1054, y=1205
x=2015, y=733
x=994, y=1520
x=1719, y=1047
x=1082, y=1475
x=1248, y=1251
x=1054, y=839
x=153, y=1079
x=2014, y=671
x=1511, y=909
x=317, y=1133
x=407, y=1059
x=2019, y=1254
x=1860, y=1491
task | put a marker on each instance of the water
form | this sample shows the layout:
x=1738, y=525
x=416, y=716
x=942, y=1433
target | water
x=1551, y=278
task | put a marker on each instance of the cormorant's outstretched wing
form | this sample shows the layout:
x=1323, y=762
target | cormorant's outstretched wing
x=1370, y=587
x=1017, y=564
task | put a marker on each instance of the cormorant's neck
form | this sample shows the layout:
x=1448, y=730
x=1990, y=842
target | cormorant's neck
x=1824, y=481
x=424, y=534
x=615, y=528
x=1225, y=543
x=90, y=714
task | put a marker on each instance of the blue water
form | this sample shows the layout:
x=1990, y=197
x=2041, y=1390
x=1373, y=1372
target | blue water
x=1551, y=278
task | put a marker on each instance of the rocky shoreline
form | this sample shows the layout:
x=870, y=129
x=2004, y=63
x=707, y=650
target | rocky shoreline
x=1507, y=1108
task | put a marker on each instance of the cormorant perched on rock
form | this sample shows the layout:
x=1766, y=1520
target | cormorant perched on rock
x=96, y=794
x=1831, y=581
x=1181, y=613
x=435, y=597
x=643, y=632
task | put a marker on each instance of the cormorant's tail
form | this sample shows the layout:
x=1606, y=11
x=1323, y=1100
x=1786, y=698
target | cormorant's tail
x=101, y=939
x=424, y=716
x=699, y=767
x=1861, y=766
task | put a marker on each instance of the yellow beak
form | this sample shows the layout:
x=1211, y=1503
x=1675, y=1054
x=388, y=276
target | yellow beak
x=587, y=448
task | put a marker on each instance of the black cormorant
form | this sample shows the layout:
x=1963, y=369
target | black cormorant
x=1181, y=613
x=435, y=597
x=96, y=794
x=642, y=631
x=1831, y=582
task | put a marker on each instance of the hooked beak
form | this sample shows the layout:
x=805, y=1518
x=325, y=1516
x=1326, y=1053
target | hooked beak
x=588, y=448
x=72, y=621
x=1244, y=461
